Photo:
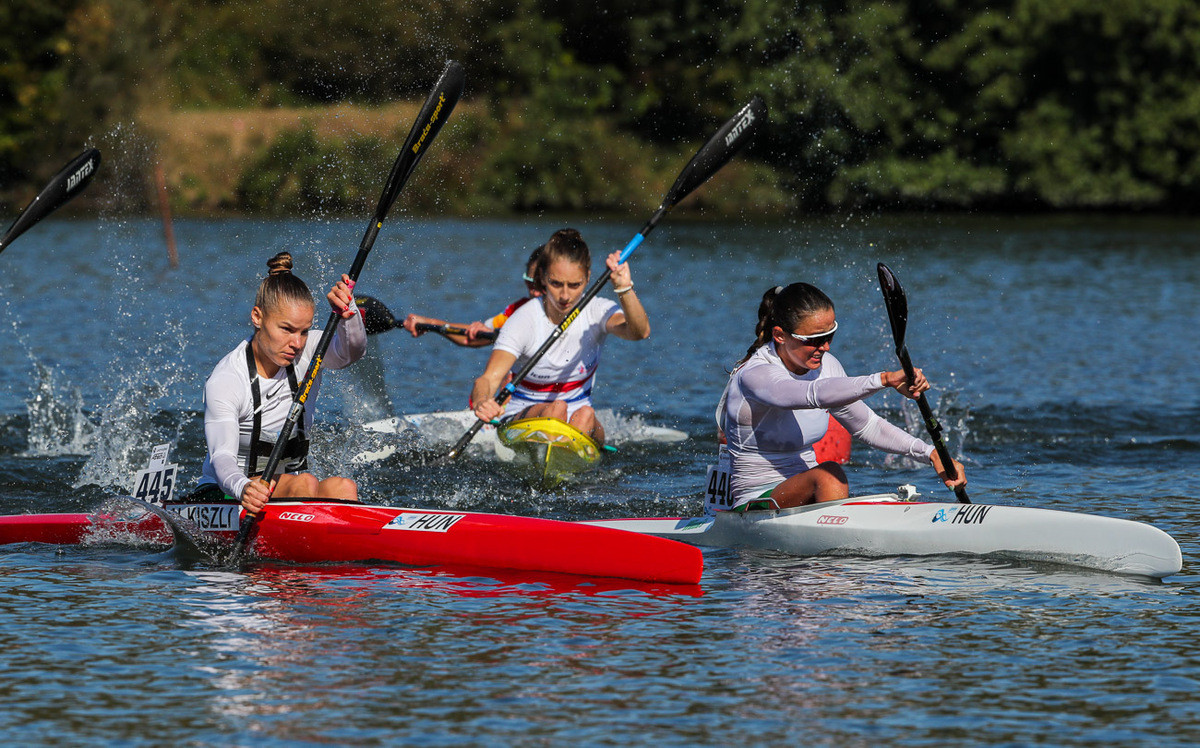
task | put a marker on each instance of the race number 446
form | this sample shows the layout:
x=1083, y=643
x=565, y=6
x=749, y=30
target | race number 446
x=718, y=494
x=156, y=483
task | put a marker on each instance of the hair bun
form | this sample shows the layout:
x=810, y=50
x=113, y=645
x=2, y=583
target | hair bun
x=280, y=263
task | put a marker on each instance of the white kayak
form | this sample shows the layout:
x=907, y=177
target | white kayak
x=888, y=525
x=445, y=428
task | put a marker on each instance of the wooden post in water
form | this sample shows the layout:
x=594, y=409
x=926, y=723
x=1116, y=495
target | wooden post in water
x=164, y=207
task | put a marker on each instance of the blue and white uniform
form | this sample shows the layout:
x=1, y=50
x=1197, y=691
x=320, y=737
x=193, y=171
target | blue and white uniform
x=567, y=371
x=230, y=412
x=772, y=417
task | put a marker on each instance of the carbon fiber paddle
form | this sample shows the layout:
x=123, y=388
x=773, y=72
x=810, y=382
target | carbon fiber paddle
x=897, y=308
x=433, y=114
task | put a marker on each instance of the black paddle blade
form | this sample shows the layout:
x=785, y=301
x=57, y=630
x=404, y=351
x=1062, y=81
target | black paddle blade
x=896, y=303
x=445, y=94
x=730, y=139
x=66, y=184
x=376, y=317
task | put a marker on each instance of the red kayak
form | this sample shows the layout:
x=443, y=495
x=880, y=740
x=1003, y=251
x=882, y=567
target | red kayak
x=313, y=531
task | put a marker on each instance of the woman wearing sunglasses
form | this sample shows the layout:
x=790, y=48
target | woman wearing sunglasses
x=779, y=398
x=491, y=324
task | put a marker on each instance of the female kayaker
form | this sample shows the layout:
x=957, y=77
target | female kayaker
x=488, y=325
x=560, y=385
x=249, y=393
x=778, y=401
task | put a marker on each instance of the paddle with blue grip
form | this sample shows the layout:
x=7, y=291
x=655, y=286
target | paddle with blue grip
x=433, y=115
x=727, y=141
x=897, y=308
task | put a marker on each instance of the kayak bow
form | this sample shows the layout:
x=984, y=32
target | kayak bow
x=549, y=448
x=887, y=525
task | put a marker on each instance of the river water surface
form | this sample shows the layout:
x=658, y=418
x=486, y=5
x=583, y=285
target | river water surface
x=1064, y=360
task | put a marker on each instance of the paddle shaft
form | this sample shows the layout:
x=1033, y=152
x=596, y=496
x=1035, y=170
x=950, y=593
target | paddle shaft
x=429, y=122
x=453, y=330
x=932, y=425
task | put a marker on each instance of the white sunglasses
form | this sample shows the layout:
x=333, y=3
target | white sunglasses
x=817, y=340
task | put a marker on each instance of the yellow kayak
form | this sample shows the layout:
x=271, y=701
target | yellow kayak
x=550, y=448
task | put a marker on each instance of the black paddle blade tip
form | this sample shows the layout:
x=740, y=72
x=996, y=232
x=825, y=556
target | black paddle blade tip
x=720, y=148
x=895, y=301
x=377, y=318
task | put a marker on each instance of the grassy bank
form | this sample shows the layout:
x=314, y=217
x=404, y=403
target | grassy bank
x=334, y=160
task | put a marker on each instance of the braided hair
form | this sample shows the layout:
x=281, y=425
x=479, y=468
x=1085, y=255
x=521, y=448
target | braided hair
x=280, y=285
x=785, y=307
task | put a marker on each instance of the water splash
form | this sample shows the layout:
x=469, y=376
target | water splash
x=132, y=420
x=57, y=422
x=955, y=430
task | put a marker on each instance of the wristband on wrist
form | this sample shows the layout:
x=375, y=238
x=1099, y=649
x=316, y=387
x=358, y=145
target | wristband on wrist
x=626, y=289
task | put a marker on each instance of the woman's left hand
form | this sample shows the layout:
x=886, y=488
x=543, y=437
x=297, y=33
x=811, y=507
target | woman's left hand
x=961, y=480
x=621, y=276
x=341, y=298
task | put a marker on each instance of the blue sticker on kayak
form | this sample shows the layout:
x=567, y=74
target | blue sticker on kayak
x=423, y=522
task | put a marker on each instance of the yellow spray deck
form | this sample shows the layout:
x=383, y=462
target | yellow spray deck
x=550, y=448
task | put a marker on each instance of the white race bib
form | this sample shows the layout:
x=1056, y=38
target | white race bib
x=156, y=483
x=718, y=494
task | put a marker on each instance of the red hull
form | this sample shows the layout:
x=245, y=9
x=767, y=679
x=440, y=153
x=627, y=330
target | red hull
x=70, y=529
x=316, y=532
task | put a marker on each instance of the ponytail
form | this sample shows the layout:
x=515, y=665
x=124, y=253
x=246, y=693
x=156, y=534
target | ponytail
x=786, y=308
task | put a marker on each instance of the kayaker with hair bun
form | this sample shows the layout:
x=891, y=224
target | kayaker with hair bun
x=250, y=391
x=488, y=325
x=560, y=385
x=779, y=398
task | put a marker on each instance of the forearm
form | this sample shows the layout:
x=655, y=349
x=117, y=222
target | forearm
x=637, y=323
x=222, y=439
x=483, y=389
x=778, y=390
x=349, y=343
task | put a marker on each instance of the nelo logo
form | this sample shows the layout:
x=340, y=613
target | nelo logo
x=297, y=516
x=831, y=519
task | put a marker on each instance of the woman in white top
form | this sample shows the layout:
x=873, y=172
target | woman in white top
x=560, y=385
x=250, y=392
x=779, y=398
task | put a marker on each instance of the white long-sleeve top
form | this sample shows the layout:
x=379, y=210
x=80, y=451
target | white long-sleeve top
x=772, y=417
x=229, y=405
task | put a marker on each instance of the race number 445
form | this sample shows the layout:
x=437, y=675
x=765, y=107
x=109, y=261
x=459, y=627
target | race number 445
x=156, y=483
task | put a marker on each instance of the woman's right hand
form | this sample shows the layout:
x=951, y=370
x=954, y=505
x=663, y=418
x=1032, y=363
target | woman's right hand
x=255, y=496
x=475, y=328
x=960, y=479
x=410, y=323
x=898, y=381
x=489, y=410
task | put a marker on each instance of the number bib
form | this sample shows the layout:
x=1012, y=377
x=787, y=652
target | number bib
x=156, y=483
x=718, y=494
